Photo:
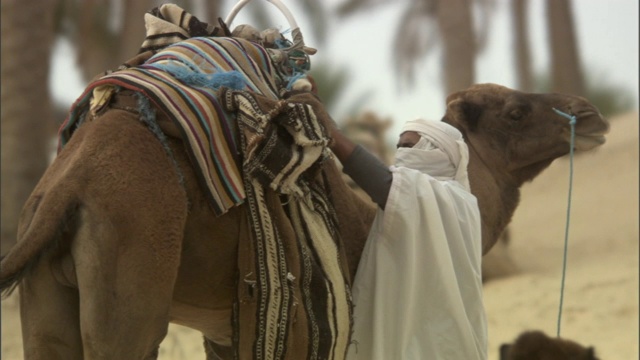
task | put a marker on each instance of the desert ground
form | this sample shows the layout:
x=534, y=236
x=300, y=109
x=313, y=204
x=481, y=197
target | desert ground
x=602, y=275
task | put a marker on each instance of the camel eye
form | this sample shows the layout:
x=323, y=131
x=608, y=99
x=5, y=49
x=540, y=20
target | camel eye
x=516, y=114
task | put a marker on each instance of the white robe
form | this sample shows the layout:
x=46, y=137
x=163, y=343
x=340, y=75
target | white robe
x=418, y=287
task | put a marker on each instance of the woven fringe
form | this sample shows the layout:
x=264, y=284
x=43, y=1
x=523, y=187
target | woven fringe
x=300, y=274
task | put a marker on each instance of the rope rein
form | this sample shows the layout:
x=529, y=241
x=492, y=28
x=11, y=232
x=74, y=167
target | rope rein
x=572, y=122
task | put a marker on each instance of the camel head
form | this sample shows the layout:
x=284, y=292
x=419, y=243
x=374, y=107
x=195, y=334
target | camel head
x=520, y=134
x=512, y=136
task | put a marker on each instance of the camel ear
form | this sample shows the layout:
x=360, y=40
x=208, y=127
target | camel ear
x=464, y=113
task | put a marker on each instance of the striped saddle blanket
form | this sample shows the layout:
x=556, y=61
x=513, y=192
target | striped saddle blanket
x=182, y=80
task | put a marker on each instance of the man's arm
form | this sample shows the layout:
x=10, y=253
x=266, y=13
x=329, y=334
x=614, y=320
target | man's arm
x=341, y=145
x=371, y=174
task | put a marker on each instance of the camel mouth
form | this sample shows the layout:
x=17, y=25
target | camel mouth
x=591, y=128
x=600, y=131
x=588, y=142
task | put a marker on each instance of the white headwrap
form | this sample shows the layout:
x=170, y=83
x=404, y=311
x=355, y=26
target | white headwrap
x=441, y=151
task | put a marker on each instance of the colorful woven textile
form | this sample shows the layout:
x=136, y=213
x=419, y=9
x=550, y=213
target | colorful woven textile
x=298, y=305
x=181, y=81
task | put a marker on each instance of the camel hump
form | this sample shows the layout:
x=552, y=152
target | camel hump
x=44, y=217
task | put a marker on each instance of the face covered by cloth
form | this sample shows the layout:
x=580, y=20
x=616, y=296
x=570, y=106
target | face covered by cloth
x=441, y=151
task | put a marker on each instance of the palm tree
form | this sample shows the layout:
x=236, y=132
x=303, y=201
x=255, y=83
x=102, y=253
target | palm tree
x=426, y=23
x=108, y=32
x=105, y=32
x=524, y=72
x=103, y=43
x=459, y=44
x=566, y=69
x=27, y=35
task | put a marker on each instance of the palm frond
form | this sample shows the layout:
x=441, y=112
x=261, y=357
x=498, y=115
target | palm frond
x=484, y=16
x=317, y=14
x=417, y=34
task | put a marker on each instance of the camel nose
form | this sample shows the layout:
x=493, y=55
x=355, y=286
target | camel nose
x=589, y=120
x=580, y=106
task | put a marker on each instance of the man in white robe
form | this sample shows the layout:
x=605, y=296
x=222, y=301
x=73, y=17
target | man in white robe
x=418, y=287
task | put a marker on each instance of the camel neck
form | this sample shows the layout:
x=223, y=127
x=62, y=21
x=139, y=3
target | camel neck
x=497, y=195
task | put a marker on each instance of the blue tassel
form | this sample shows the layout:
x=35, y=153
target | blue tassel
x=294, y=78
x=231, y=79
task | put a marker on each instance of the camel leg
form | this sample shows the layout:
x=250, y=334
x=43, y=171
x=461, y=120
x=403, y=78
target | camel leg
x=49, y=316
x=128, y=239
x=126, y=272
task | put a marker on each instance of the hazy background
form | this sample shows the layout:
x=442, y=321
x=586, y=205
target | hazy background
x=607, y=40
x=50, y=48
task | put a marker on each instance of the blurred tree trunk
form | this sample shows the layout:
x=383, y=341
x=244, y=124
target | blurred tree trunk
x=133, y=29
x=106, y=36
x=524, y=72
x=27, y=28
x=95, y=42
x=213, y=11
x=458, y=43
x=566, y=70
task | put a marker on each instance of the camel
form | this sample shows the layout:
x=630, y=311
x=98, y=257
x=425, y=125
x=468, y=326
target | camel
x=534, y=345
x=118, y=239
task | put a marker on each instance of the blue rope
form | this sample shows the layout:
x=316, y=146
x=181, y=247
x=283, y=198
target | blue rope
x=572, y=122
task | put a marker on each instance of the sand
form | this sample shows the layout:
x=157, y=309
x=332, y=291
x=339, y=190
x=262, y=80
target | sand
x=601, y=286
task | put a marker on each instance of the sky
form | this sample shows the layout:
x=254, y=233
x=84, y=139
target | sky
x=607, y=32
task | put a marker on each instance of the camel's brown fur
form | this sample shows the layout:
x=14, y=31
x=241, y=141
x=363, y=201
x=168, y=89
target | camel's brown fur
x=535, y=345
x=113, y=246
